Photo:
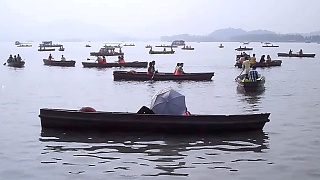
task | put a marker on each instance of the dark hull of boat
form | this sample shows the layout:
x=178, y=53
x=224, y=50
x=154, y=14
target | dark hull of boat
x=129, y=45
x=270, y=64
x=251, y=86
x=187, y=48
x=169, y=46
x=132, y=122
x=244, y=49
x=109, y=65
x=161, y=52
x=143, y=76
x=106, y=54
x=24, y=46
x=46, y=49
x=270, y=46
x=59, y=63
x=16, y=64
x=296, y=55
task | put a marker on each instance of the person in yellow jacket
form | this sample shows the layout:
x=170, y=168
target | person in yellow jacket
x=253, y=59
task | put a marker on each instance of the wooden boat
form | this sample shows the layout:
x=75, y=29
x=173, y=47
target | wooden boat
x=265, y=64
x=167, y=46
x=178, y=43
x=24, y=45
x=267, y=45
x=161, y=52
x=64, y=119
x=108, y=51
x=221, y=46
x=17, y=64
x=128, y=45
x=44, y=49
x=148, y=46
x=87, y=45
x=70, y=63
x=61, y=49
x=135, y=64
x=143, y=76
x=187, y=48
x=251, y=86
x=243, y=49
x=296, y=55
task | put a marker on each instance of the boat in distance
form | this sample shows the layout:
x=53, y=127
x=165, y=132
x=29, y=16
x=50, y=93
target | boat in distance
x=64, y=119
x=134, y=64
x=296, y=55
x=262, y=64
x=17, y=64
x=161, y=76
x=67, y=63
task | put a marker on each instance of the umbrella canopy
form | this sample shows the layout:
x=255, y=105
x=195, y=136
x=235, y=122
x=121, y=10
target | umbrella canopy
x=168, y=101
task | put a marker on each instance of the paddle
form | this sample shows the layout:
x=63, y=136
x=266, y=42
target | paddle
x=239, y=74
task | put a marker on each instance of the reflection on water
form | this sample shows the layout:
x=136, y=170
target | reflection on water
x=253, y=99
x=152, y=154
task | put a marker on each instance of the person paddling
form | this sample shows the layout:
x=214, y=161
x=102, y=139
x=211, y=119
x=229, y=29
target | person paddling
x=50, y=57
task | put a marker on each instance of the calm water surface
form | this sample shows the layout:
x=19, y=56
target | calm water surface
x=287, y=148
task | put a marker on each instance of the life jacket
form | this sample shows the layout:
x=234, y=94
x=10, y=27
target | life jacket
x=100, y=60
x=121, y=61
x=149, y=73
x=104, y=61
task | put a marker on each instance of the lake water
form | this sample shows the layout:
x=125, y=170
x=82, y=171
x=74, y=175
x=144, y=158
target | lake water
x=287, y=148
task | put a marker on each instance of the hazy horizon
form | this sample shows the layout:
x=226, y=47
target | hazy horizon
x=151, y=18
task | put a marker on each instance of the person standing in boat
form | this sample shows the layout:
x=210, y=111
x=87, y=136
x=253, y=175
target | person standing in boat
x=63, y=58
x=50, y=57
x=253, y=74
x=246, y=67
x=300, y=52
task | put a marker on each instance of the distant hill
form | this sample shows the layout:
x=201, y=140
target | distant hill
x=234, y=35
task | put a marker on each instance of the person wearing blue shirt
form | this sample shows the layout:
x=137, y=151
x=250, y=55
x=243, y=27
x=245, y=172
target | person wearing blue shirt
x=253, y=74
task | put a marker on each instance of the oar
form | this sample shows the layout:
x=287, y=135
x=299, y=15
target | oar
x=239, y=74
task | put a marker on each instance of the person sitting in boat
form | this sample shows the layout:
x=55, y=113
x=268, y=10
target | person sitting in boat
x=99, y=59
x=253, y=74
x=10, y=59
x=179, y=70
x=104, y=60
x=151, y=69
x=50, y=57
x=19, y=58
x=15, y=58
x=176, y=69
x=262, y=60
x=63, y=58
x=164, y=49
x=253, y=59
x=121, y=59
x=300, y=52
x=290, y=52
x=268, y=59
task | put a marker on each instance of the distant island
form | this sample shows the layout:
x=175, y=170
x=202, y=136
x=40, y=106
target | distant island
x=240, y=35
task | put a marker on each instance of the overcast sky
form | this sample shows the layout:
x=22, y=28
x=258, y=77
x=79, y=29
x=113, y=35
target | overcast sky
x=154, y=18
